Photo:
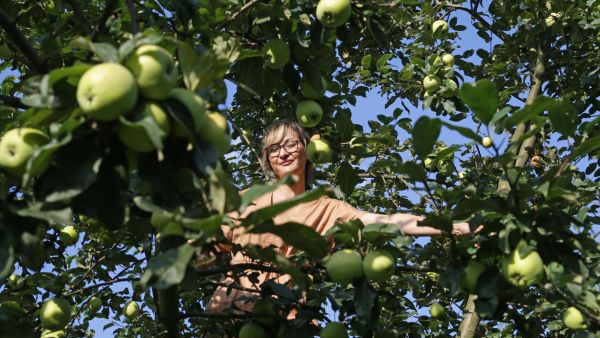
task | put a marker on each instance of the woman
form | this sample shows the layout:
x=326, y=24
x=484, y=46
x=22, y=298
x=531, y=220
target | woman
x=283, y=154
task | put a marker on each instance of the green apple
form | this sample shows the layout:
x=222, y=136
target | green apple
x=344, y=265
x=552, y=19
x=53, y=334
x=214, y=130
x=573, y=319
x=55, y=314
x=433, y=276
x=135, y=137
x=487, y=142
x=436, y=310
x=132, y=310
x=439, y=27
x=470, y=274
x=318, y=151
x=334, y=330
x=309, y=113
x=68, y=235
x=310, y=92
x=450, y=88
x=252, y=330
x=333, y=13
x=195, y=105
x=448, y=60
x=13, y=280
x=94, y=304
x=276, y=53
x=107, y=91
x=16, y=147
x=429, y=163
x=431, y=83
x=379, y=266
x=267, y=309
x=154, y=70
x=523, y=271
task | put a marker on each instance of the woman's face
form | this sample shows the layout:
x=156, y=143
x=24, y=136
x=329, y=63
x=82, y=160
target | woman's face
x=288, y=157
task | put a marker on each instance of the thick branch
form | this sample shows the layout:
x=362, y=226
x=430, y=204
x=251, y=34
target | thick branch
x=79, y=17
x=133, y=13
x=12, y=101
x=21, y=42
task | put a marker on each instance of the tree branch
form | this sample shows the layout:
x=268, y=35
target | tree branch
x=21, y=42
x=478, y=17
x=101, y=26
x=238, y=13
x=12, y=101
x=133, y=13
x=79, y=17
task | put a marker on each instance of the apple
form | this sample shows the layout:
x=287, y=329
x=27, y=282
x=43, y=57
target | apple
x=309, y=113
x=13, y=280
x=450, y=88
x=431, y=83
x=344, y=265
x=333, y=13
x=154, y=70
x=379, y=266
x=439, y=27
x=487, y=142
x=276, y=53
x=135, y=137
x=68, y=235
x=536, y=161
x=552, y=19
x=433, y=276
x=267, y=309
x=107, y=91
x=448, y=60
x=214, y=130
x=318, y=151
x=436, y=310
x=523, y=271
x=334, y=330
x=252, y=330
x=55, y=314
x=195, y=105
x=16, y=147
x=470, y=274
x=94, y=304
x=53, y=334
x=132, y=310
x=310, y=92
x=429, y=163
x=573, y=319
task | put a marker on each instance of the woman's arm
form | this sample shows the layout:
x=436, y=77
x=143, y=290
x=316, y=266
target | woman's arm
x=407, y=223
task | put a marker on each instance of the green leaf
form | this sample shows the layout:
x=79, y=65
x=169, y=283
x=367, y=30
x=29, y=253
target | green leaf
x=50, y=212
x=481, y=97
x=256, y=191
x=529, y=112
x=563, y=116
x=300, y=236
x=149, y=125
x=382, y=65
x=378, y=233
x=168, y=268
x=365, y=298
x=587, y=147
x=466, y=132
x=414, y=171
x=105, y=51
x=347, y=178
x=208, y=225
x=425, y=132
x=365, y=62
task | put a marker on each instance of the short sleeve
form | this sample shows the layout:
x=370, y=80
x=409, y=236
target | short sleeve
x=344, y=212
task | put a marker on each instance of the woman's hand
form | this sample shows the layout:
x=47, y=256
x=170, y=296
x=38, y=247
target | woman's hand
x=462, y=229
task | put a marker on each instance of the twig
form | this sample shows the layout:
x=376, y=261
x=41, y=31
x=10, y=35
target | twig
x=238, y=13
x=245, y=138
x=133, y=13
x=21, y=42
x=237, y=268
x=79, y=17
x=478, y=17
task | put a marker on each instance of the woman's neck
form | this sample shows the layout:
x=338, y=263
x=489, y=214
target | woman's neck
x=286, y=192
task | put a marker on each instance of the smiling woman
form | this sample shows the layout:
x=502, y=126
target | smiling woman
x=284, y=154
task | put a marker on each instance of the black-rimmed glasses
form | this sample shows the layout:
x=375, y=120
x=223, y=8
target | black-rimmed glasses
x=289, y=147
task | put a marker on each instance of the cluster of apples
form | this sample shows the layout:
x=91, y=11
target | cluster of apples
x=345, y=265
x=432, y=82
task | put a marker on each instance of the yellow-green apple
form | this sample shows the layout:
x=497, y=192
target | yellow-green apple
x=135, y=137
x=429, y=163
x=470, y=274
x=68, y=235
x=107, y=91
x=436, y=310
x=431, y=83
x=13, y=280
x=487, y=142
x=433, y=276
x=265, y=308
x=439, y=27
x=333, y=13
x=154, y=70
x=573, y=319
x=132, y=310
x=195, y=105
x=448, y=60
x=310, y=92
x=53, y=334
x=523, y=271
x=334, y=330
x=276, y=53
x=344, y=265
x=379, y=265
x=552, y=19
x=16, y=147
x=309, y=113
x=252, y=330
x=55, y=314
x=318, y=151
x=450, y=88
x=94, y=304
x=214, y=130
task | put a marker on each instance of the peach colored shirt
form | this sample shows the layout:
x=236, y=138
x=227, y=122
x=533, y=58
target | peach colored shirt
x=321, y=215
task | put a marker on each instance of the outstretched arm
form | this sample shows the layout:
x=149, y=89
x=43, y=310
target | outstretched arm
x=407, y=223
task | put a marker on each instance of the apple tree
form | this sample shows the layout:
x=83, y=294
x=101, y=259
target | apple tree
x=129, y=130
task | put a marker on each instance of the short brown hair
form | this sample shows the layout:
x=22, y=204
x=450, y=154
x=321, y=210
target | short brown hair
x=274, y=133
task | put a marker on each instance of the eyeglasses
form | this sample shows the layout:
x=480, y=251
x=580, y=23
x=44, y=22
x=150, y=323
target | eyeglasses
x=289, y=147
